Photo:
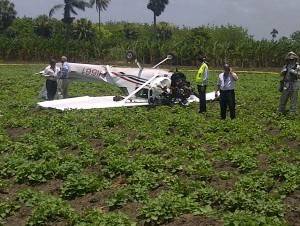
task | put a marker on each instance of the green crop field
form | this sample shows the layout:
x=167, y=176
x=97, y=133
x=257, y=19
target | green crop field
x=146, y=165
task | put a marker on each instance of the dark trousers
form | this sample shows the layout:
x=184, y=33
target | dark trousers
x=202, y=98
x=51, y=87
x=227, y=99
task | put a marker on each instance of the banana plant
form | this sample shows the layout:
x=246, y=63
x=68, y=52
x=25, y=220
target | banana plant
x=101, y=5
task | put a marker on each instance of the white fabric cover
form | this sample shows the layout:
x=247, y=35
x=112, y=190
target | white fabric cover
x=87, y=102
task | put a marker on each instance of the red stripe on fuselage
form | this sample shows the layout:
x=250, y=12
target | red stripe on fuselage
x=126, y=78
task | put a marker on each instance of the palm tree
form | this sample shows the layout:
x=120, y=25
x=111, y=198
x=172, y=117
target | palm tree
x=69, y=8
x=83, y=30
x=157, y=6
x=274, y=33
x=101, y=5
x=7, y=14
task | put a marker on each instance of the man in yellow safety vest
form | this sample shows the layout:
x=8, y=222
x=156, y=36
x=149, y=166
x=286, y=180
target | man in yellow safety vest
x=201, y=81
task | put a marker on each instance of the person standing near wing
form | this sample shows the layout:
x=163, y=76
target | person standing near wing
x=51, y=73
x=226, y=85
x=63, y=77
x=290, y=84
x=201, y=81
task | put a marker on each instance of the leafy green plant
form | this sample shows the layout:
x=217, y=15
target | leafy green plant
x=119, y=198
x=225, y=175
x=209, y=196
x=79, y=185
x=288, y=174
x=9, y=164
x=243, y=159
x=46, y=208
x=36, y=147
x=150, y=162
x=97, y=218
x=118, y=165
x=284, y=171
x=66, y=166
x=34, y=172
x=6, y=209
x=253, y=183
x=258, y=202
x=168, y=206
x=3, y=185
x=200, y=168
x=50, y=210
x=146, y=178
x=243, y=218
x=5, y=144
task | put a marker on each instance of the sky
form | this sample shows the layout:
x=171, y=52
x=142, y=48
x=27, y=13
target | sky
x=258, y=16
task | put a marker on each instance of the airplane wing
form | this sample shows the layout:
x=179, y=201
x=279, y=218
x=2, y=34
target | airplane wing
x=87, y=102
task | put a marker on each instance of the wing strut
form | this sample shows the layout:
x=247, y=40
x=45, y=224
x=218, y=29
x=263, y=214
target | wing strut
x=140, y=88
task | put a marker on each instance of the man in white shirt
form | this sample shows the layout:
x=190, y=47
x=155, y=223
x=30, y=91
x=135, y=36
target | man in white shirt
x=226, y=86
x=51, y=74
x=63, y=77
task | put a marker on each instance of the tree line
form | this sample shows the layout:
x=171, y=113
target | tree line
x=43, y=37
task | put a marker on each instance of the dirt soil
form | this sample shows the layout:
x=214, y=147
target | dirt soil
x=97, y=144
x=263, y=162
x=223, y=185
x=191, y=220
x=224, y=166
x=19, y=218
x=131, y=210
x=292, y=215
x=52, y=187
x=15, y=133
x=93, y=200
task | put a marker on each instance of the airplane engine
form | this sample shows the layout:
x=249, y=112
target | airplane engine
x=180, y=88
x=159, y=90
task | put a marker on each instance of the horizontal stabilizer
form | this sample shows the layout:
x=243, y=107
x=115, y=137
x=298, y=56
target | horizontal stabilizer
x=209, y=97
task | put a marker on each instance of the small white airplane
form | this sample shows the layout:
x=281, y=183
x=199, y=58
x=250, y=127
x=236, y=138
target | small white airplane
x=143, y=86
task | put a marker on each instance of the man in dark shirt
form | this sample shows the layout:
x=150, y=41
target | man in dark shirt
x=51, y=73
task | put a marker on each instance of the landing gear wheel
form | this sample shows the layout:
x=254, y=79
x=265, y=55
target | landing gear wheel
x=118, y=98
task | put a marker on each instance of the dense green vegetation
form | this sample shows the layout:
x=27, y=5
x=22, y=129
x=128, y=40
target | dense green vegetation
x=38, y=39
x=146, y=166
x=7, y=14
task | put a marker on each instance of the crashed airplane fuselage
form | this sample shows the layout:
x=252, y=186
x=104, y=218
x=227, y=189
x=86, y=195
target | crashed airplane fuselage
x=133, y=81
x=128, y=79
